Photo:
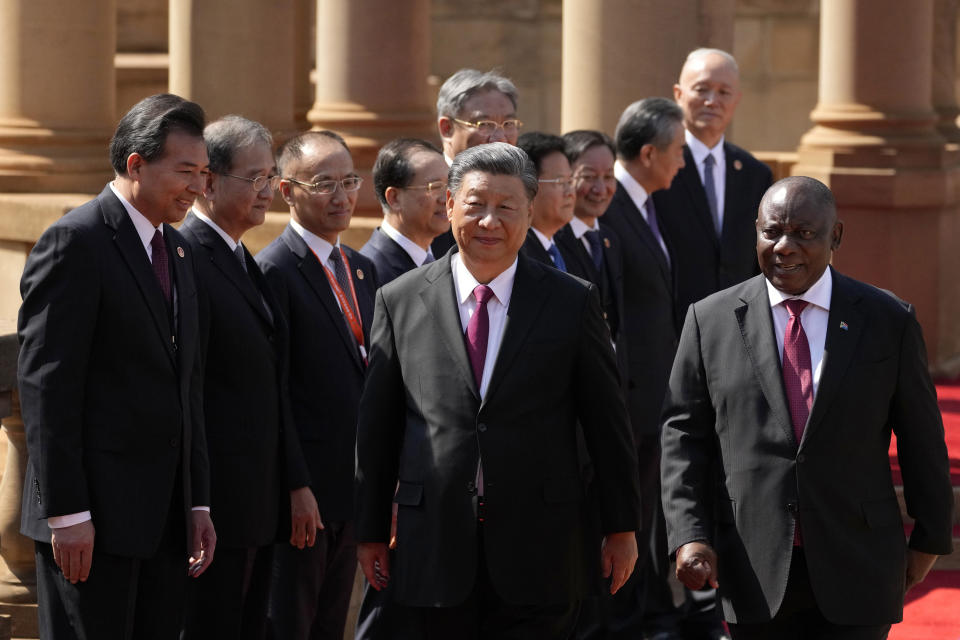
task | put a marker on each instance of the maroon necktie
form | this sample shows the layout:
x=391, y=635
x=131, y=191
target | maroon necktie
x=161, y=264
x=797, y=370
x=478, y=330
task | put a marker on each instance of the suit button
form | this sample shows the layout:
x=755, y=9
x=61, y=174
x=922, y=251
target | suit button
x=792, y=507
x=471, y=487
x=801, y=458
x=174, y=442
x=481, y=427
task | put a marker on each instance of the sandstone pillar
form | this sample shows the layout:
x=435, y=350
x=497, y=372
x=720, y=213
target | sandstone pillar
x=235, y=56
x=56, y=94
x=875, y=143
x=373, y=60
x=618, y=51
x=945, y=68
x=304, y=21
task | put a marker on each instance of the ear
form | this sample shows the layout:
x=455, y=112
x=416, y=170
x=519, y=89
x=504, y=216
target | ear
x=209, y=188
x=677, y=92
x=837, y=235
x=285, y=191
x=445, y=127
x=135, y=164
x=392, y=195
x=647, y=152
x=450, y=201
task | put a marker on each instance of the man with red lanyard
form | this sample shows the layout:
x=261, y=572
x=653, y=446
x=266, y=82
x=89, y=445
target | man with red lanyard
x=325, y=290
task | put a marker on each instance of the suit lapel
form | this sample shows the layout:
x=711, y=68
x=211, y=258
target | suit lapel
x=440, y=300
x=642, y=230
x=756, y=329
x=733, y=191
x=582, y=262
x=399, y=260
x=689, y=176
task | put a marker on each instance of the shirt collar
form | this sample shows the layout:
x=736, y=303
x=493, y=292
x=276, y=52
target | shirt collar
x=220, y=232
x=320, y=247
x=633, y=188
x=579, y=227
x=819, y=294
x=144, y=227
x=502, y=285
x=544, y=240
x=700, y=151
x=415, y=251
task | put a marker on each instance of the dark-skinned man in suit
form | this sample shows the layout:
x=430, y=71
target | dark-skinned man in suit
x=792, y=383
x=481, y=365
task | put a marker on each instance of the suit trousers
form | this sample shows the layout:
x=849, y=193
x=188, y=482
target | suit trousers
x=799, y=618
x=229, y=600
x=311, y=587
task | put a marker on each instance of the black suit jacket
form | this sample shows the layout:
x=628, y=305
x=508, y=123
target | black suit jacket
x=533, y=249
x=389, y=258
x=727, y=405
x=111, y=400
x=422, y=421
x=648, y=312
x=704, y=264
x=255, y=457
x=326, y=370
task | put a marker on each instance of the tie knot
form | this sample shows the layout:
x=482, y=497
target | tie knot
x=482, y=293
x=157, y=241
x=709, y=161
x=795, y=306
x=335, y=255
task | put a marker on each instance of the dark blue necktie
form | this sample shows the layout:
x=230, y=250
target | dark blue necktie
x=710, y=188
x=596, y=248
x=556, y=257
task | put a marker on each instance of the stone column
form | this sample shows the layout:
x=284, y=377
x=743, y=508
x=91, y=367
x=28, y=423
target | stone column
x=235, y=56
x=945, y=68
x=373, y=61
x=875, y=143
x=618, y=51
x=56, y=94
x=304, y=21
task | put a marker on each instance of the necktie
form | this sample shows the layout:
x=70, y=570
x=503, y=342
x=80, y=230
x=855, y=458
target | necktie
x=161, y=265
x=654, y=225
x=478, y=330
x=596, y=248
x=710, y=188
x=556, y=257
x=428, y=259
x=797, y=370
x=340, y=272
x=242, y=258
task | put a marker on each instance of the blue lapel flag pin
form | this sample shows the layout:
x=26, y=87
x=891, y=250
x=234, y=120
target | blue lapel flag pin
x=844, y=325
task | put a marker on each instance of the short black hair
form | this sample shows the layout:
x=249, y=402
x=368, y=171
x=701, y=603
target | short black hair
x=229, y=134
x=144, y=129
x=292, y=149
x=576, y=143
x=495, y=158
x=648, y=121
x=392, y=168
x=539, y=145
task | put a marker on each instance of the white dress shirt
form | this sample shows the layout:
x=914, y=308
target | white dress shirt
x=699, y=151
x=638, y=195
x=580, y=228
x=321, y=248
x=814, y=319
x=220, y=232
x=415, y=251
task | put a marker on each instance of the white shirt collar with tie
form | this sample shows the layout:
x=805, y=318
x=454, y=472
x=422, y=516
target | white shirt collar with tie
x=638, y=195
x=580, y=228
x=415, y=251
x=700, y=151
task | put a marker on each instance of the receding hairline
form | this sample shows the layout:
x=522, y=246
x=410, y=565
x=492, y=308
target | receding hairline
x=794, y=191
x=705, y=52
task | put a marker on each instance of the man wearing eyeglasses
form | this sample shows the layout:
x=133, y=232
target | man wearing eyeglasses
x=257, y=472
x=410, y=180
x=325, y=291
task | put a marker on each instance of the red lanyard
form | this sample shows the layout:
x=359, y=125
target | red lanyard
x=353, y=319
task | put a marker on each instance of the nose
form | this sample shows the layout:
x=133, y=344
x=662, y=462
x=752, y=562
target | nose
x=488, y=220
x=498, y=135
x=784, y=245
x=197, y=183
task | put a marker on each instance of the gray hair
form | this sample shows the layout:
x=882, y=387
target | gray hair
x=224, y=137
x=465, y=83
x=708, y=51
x=648, y=121
x=496, y=158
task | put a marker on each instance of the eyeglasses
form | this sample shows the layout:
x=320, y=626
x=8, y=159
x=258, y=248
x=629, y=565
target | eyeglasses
x=260, y=182
x=563, y=183
x=430, y=187
x=592, y=177
x=489, y=127
x=327, y=187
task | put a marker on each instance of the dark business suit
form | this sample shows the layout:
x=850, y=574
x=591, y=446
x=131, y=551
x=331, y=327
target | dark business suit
x=705, y=263
x=109, y=381
x=389, y=258
x=533, y=248
x=255, y=457
x=326, y=379
x=422, y=421
x=727, y=404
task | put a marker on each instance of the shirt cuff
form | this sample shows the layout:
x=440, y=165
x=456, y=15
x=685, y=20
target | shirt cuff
x=207, y=509
x=59, y=522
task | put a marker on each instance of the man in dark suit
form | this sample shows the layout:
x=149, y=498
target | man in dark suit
x=791, y=383
x=325, y=291
x=481, y=365
x=649, y=140
x=553, y=204
x=257, y=472
x=410, y=180
x=109, y=379
x=710, y=209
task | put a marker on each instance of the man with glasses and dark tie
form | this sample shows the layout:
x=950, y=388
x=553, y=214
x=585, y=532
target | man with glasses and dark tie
x=325, y=291
x=257, y=473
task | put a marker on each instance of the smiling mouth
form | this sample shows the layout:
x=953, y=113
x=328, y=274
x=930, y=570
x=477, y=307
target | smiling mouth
x=789, y=268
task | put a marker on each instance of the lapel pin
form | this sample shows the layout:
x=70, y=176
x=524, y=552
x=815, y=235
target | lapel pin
x=180, y=251
x=359, y=274
x=844, y=325
x=606, y=242
x=737, y=165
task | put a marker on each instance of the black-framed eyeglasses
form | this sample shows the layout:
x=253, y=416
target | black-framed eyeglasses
x=260, y=182
x=327, y=187
x=430, y=187
x=489, y=127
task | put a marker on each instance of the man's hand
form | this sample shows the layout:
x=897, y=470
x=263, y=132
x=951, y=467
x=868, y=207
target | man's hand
x=618, y=557
x=203, y=542
x=697, y=565
x=73, y=550
x=374, y=559
x=304, y=518
x=918, y=566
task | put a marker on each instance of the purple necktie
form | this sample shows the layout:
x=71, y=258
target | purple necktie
x=655, y=226
x=478, y=330
x=797, y=370
x=161, y=264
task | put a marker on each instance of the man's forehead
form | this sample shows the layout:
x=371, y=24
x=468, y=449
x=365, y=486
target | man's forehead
x=489, y=103
x=712, y=67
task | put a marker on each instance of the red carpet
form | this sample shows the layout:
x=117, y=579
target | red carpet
x=949, y=397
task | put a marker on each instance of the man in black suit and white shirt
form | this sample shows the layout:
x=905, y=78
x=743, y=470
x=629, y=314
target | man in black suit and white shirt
x=791, y=383
x=109, y=379
x=481, y=365
x=257, y=472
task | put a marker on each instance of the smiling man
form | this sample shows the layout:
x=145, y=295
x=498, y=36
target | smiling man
x=790, y=384
x=481, y=365
x=109, y=380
